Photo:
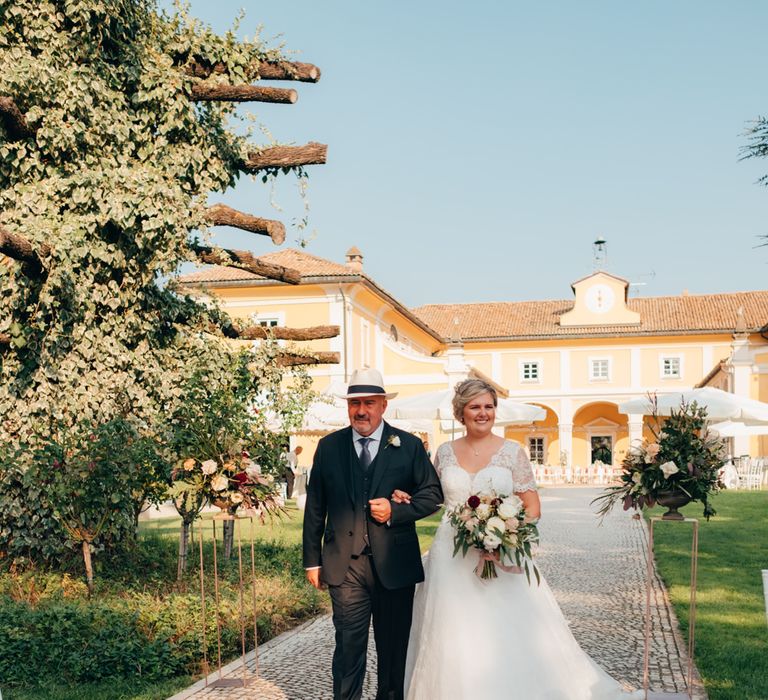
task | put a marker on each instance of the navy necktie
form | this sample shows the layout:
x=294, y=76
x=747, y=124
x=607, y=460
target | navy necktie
x=365, y=456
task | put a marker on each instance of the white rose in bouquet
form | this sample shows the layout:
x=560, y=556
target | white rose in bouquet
x=219, y=482
x=483, y=511
x=512, y=524
x=472, y=523
x=209, y=466
x=491, y=541
x=495, y=523
x=510, y=507
x=253, y=470
x=236, y=497
x=669, y=468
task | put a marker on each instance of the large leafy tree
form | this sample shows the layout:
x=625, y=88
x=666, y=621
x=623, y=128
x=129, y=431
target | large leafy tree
x=115, y=127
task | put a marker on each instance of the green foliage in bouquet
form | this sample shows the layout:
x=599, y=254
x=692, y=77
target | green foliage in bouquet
x=683, y=457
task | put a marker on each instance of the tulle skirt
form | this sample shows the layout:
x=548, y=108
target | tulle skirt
x=500, y=638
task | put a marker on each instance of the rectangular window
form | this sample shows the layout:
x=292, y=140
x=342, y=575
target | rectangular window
x=267, y=322
x=536, y=449
x=670, y=367
x=530, y=372
x=600, y=370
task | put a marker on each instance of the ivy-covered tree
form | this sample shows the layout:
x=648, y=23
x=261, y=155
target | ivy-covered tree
x=115, y=127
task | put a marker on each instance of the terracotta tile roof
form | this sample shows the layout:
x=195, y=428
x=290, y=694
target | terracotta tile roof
x=539, y=319
x=215, y=273
x=687, y=314
x=308, y=265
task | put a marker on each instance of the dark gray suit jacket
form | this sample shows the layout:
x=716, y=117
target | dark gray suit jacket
x=329, y=514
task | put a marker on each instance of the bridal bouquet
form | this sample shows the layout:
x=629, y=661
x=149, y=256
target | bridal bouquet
x=498, y=527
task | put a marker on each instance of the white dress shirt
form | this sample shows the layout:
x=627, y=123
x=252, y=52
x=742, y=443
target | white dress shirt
x=373, y=444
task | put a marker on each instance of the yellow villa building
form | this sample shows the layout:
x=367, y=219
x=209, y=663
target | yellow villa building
x=577, y=357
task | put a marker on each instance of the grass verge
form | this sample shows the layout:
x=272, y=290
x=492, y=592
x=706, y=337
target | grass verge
x=731, y=634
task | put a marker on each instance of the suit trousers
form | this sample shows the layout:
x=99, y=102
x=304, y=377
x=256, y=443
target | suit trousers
x=290, y=480
x=355, y=600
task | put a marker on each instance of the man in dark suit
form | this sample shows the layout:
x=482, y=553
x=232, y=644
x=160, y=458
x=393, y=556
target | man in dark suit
x=363, y=545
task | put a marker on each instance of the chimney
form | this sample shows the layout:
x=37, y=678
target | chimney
x=741, y=324
x=354, y=259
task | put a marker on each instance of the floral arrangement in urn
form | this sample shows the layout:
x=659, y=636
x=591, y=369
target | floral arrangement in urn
x=229, y=483
x=680, y=464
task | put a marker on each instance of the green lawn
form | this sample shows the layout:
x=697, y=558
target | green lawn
x=731, y=632
x=286, y=530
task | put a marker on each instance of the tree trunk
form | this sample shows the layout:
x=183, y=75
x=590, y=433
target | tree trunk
x=88, y=566
x=243, y=93
x=244, y=260
x=22, y=250
x=283, y=70
x=311, y=153
x=222, y=215
x=283, y=333
x=316, y=358
x=183, y=549
x=14, y=121
x=229, y=538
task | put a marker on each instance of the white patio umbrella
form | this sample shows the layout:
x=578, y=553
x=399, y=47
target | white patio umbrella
x=327, y=414
x=730, y=428
x=720, y=405
x=436, y=405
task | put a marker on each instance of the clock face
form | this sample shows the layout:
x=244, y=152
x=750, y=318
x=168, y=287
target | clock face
x=600, y=298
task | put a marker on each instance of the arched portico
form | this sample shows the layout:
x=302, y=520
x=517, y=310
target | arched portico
x=541, y=440
x=600, y=433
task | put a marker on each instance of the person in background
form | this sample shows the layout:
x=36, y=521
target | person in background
x=291, y=469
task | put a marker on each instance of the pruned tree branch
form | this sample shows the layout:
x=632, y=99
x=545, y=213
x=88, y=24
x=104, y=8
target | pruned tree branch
x=222, y=215
x=14, y=121
x=283, y=333
x=312, y=153
x=22, y=250
x=288, y=359
x=283, y=70
x=244, y=260
x=243, y=93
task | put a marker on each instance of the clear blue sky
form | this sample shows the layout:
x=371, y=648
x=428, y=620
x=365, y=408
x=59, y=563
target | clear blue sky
x=476, y=149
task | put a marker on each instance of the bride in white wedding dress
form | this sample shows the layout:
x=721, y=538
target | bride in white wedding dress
x=504, y=637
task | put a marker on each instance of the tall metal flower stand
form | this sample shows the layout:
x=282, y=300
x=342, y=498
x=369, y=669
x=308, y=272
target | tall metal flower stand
x=221, y=681
x=691, y=616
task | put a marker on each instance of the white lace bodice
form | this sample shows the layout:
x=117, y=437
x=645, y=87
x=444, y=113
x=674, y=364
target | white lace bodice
x=509, y=470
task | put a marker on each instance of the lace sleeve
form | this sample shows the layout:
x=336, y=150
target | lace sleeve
x=440, y=457
x=522, y=472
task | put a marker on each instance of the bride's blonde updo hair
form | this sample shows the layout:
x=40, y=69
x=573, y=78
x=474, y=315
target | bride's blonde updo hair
x=466, y=391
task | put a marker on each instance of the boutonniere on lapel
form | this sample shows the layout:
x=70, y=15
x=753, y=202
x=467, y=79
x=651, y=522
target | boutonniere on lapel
x=393, y=440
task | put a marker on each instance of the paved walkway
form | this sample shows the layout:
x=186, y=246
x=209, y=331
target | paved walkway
x=597, y=574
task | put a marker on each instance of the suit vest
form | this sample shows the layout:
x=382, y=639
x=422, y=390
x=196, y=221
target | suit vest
x=361, y=479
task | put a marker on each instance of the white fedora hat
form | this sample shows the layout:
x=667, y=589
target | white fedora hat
x=366, y=382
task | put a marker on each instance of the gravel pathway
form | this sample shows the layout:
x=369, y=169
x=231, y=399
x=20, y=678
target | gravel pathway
x=597, y=575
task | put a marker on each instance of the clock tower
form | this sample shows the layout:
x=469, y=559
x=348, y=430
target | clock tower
x=601, y=300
